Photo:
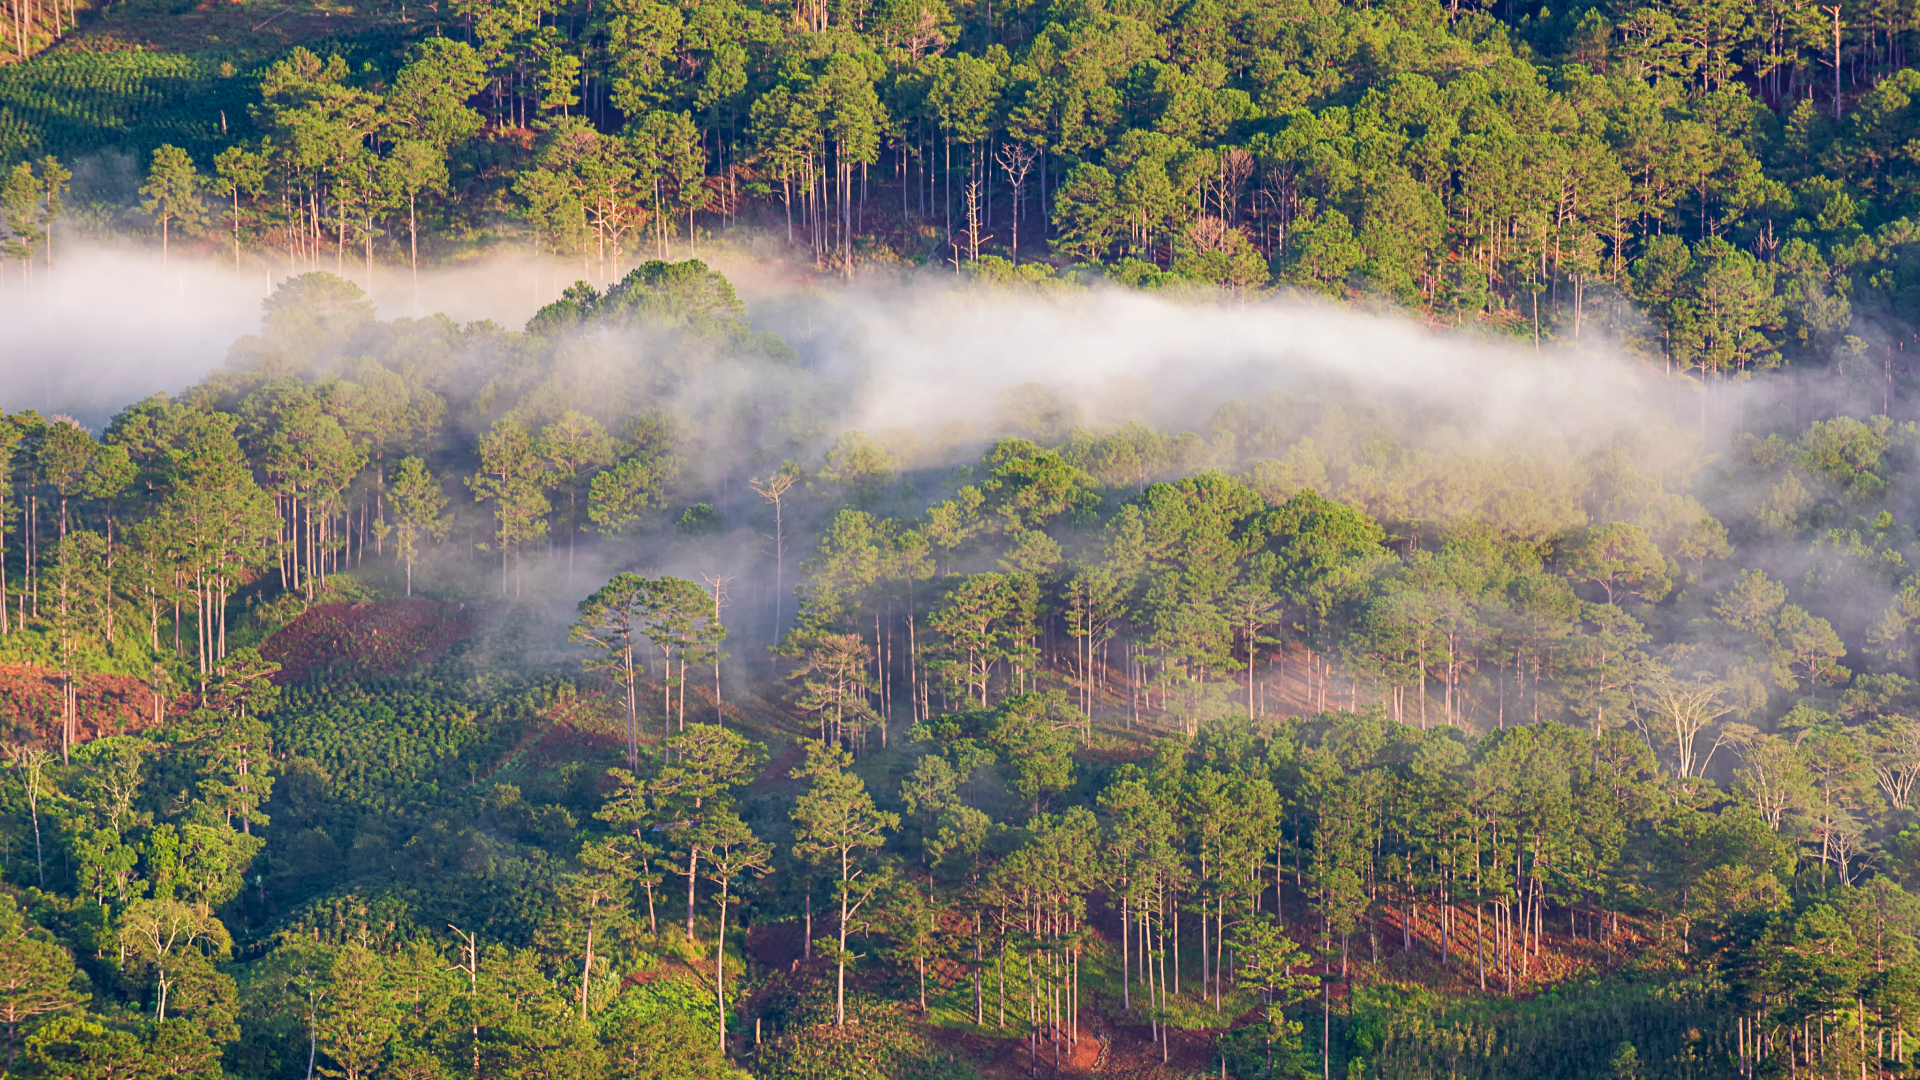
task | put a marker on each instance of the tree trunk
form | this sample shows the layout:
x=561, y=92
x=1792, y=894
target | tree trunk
x=586, y=972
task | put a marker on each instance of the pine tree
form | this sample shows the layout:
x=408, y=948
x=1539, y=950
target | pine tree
x=836, y=825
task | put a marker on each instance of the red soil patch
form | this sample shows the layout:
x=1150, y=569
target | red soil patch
x=779, y=771
x=108, y=704
x=1011, y=1057
x=1133, y=1053
x=777, y=945
x=565, y=743
x=387, y=637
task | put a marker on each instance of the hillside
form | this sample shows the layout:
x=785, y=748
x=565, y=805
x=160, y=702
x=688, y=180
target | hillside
x=389, y=638
x=1104, y=538
x=1718, y=208
x=1556, y=732
x=31, y=704
x=133, y=75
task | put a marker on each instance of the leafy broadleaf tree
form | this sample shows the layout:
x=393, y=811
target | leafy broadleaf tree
x=36, y=977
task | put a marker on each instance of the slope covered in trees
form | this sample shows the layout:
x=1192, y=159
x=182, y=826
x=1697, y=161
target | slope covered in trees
x=589, y=700
x=1724, y=186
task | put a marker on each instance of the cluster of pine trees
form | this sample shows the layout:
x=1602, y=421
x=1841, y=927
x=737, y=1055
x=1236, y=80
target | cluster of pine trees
x=1419, y=750
x=1725, y=185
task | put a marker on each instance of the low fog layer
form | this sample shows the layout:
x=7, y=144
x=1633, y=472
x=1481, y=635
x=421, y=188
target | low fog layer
x=110, y=326
x=925, y=354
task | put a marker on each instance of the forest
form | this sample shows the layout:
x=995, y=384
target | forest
x=1091, y=538
x=1723, y=187
x=373, y=705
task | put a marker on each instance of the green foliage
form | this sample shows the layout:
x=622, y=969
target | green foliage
x=657, y=1043
x=346, y=731
x=658, y=1001
x=130, y=100
x=173, y=193
x=1575, y=1032
x=1341, y=662
x=38, y=980
x=876, y=1040
x=1381, y=154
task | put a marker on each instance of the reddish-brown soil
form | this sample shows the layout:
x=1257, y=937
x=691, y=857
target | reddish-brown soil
x=107, y=705
x=1133, y=1054
x=568, y=741
x=387, y=637
x=776, y=944
x=1006, y=1059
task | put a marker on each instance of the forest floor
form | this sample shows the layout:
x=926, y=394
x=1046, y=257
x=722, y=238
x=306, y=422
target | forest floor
x=382, y=638
x=1008, y=1058
x=105, y=705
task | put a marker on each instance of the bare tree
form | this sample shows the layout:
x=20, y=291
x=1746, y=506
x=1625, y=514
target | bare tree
x=719, y=583
x=1843, y=841
x=31, y=760
x=1016, y=160
x=1896, y=760
x=774, y=489
x=1835, y=11
x=1772, y=773
x=924, y=37
x=974, y=239
x=1682, y=707
x=1236, y=168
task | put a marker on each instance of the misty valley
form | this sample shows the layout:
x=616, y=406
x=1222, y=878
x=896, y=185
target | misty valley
x=941, y=540
x=411, y=698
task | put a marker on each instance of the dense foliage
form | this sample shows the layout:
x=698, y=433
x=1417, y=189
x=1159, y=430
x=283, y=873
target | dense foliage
x=1333, y=734
x=1725, y=185
x=1328, y=736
